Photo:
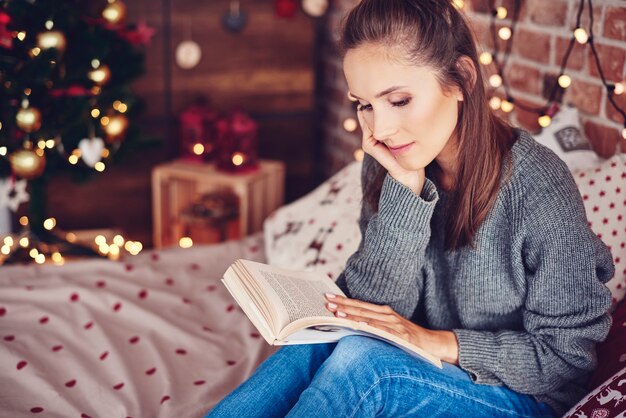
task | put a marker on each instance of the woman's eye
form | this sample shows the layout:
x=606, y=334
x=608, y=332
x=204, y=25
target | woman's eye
x=363, y=108
x=401, y=103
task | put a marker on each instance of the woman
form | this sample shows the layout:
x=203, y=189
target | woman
x=475, y=247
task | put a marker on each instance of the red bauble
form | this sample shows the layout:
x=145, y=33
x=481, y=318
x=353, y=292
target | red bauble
x=285, y=8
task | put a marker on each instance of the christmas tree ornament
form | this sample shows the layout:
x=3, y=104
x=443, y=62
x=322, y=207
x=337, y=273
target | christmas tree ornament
x=51, y=39
x=6, y=36
x=114, y=12
x=315, y=8
x=197, y=135
x=116, y=127
x=13, y=193
x=91, y=150
x=141, y=35
x=100, y=75
x=285, y=8
x=234, y=20
x=237, y=143
x=27, y=163
x=188, y=54
x=28, y=118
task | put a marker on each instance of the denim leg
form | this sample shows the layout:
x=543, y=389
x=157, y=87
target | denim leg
x=277, y=383
x=365, y=377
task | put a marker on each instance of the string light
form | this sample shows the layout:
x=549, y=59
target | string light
x=99, y=166
x=359, y=154
x=350, y=124
x=23, y=220
x=565, y=81
x=49, y=223
x=21, y=35
x=198, y=149
x=185, y=242
x=581, y=35
x=485, y=58
x=495, y=102
x=501, y=12
x=505, y=33
x=546, y=112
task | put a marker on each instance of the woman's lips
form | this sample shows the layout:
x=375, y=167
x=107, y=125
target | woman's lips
x=401, y=149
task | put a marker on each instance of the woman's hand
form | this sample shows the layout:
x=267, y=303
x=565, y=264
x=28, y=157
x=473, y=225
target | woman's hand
x=442, y=344
x=414, y=180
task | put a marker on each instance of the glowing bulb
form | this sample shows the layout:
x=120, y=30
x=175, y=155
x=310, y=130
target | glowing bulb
x=506, y=106
x=100, y=239
x=39, y=152
x=114, y=250
x=24, y=242
x=624, y=133
x=237, y=159
x=105, y=121
x=33, y=253
x=40, y=259
x=99, y=166
x=565, y=81
x=495, y=102
x=105, y=153
x=544, y=121
x=495, y=80
x=21, y=36
x=95, y=113
x=459, y=4
x=41, y=144
x=505, y=33
x=8, y=241
x=35, y=51
x=73, y=159
x=581, y=35
x=118, y=240
x=501, y=12
x=103, y=248
x=185, y=242
x=486, y=58
x=24, y=220
x=49, y=223
x=350, y=124
x=70, y=236
x=359, y=154
x=198, y=149
x=49, y=24
x=95, y=63
x=57, y=258
x=5, y=250
x=618, y=89
x=50, y=143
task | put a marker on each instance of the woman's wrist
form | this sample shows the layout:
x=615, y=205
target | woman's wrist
x=442, y=344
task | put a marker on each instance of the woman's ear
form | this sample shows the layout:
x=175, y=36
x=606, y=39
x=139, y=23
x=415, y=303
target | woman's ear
x=467, y=71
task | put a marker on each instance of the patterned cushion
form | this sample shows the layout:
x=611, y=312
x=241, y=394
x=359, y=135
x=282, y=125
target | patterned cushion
x=612, y=352
x=603, y=189
x=319, y=231
x=565, y=137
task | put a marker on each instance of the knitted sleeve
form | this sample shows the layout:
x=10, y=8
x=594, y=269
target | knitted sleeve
x=566, y=306
x=386, y=268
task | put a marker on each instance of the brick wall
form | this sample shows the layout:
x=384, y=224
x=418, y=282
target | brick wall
x=540, y=40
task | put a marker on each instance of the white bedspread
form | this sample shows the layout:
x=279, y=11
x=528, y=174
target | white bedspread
x=156, y=335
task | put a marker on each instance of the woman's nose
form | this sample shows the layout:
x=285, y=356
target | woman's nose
x=382, y=127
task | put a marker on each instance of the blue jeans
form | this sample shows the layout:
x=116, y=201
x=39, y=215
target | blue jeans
x=365, y=377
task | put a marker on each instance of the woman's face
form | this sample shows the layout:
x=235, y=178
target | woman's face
x=403, y=106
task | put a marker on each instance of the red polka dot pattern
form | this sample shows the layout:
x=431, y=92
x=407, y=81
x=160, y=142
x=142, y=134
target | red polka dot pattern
x=601, y=189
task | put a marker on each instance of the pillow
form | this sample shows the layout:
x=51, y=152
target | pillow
x=604, y=194
x=606, y=401
x=319, y=231
x=565, y=137
x=612, y=351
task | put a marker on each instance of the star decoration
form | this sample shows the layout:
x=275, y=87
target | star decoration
x=12, y=194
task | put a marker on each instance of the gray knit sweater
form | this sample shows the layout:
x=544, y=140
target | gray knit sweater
x=527, y=303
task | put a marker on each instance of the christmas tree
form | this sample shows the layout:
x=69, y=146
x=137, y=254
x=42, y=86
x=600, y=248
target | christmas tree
x=66, y=105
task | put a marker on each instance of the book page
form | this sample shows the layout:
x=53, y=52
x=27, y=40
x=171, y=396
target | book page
x=300, y=294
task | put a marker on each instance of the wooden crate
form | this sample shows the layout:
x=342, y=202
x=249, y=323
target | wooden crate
x=178, y=184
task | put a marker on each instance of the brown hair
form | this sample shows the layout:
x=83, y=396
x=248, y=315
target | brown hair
x=433, y=33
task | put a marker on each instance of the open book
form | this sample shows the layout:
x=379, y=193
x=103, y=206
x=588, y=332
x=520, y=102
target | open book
x=288, y=307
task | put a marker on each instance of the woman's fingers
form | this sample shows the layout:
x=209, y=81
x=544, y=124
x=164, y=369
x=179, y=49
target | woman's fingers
x=338, y=299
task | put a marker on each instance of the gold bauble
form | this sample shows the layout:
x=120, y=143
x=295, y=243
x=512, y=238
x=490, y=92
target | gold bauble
x=28, y=119
x=51, y=39
x=114, y=12
x=27, y=164
x=100, y=75
x=116, y=127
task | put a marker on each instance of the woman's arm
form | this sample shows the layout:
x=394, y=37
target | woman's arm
x=385, y=270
